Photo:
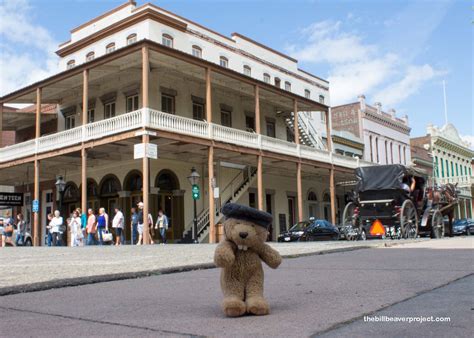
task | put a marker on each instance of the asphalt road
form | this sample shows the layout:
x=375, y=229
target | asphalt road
x=321, y=295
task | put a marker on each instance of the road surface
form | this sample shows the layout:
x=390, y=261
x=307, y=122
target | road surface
x=320, y=295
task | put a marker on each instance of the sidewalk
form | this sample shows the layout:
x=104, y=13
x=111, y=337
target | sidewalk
x=30, y=269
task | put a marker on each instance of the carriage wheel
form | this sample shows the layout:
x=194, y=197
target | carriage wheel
x=437, y=225
x=408, y=220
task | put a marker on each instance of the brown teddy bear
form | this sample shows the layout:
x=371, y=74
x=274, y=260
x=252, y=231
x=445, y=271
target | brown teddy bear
x=239, y=255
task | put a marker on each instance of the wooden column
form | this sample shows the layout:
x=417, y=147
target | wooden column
x=146, y=191
x=85, y=108
x=332, y=195
x=328, y=129
x=259, y=157
x=36, y=215
x=257, y=110
x=36, y=192
x=212, y=213
x=296, y=123
x=208, y=95
x=299, y=192
x=145, y=76
x=1, y=124
x=260, y=182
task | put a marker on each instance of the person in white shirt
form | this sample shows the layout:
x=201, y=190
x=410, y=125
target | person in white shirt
x=162, y=224
x=56, y=225
x=75, y=229
x=118, y=223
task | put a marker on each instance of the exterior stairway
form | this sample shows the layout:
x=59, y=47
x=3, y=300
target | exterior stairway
x=308, y=134
x=230, y=194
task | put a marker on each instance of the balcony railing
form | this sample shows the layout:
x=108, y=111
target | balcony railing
x=162, y=121
x=462, y=181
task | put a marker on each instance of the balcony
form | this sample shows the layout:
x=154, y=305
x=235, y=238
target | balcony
x=462, y=181
x=157, y=120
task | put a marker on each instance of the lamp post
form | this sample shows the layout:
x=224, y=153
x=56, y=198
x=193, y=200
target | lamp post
x=60, y=186
x=193, y=179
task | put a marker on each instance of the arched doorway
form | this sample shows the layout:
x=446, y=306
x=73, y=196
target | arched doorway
x=134, y=184
x=93, y=195
x=326, y=206
x=312, y=199
x=171, y=201
x=71, y=199
x=109, y=188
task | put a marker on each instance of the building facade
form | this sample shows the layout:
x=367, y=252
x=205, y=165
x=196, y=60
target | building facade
x=229, y=107
x=452, y=159
x=386, y=137
x=420, y=154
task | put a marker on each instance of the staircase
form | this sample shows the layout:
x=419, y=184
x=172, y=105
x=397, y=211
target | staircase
x=230, y=194
x=308, y=134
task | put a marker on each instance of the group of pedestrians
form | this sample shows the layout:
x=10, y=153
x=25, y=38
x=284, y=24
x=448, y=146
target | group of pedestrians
x=8, y=225
x=92, y=229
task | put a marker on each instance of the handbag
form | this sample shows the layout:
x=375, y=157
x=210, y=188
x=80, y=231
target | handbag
x=107, y=236
x=8, y=229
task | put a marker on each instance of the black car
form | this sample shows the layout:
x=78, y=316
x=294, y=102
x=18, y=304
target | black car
x=311, y=230
x=464, y=226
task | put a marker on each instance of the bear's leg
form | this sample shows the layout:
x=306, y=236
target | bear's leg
x=233, y=289
x=255, y=302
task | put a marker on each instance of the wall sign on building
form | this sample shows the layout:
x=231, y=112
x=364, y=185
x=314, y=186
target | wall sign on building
x=11, y=199
x=150, y=150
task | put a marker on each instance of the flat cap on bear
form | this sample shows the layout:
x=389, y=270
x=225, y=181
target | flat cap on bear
x=237, y=211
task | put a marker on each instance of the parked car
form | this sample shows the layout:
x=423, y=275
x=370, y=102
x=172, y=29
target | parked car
x=28, y=239
x=310, y=230
x=464, y=226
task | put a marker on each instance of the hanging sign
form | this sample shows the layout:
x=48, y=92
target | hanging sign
x=149, y=150
x=11, y=199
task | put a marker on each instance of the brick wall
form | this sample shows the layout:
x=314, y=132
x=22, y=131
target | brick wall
x=346, y=118
x=29, y=132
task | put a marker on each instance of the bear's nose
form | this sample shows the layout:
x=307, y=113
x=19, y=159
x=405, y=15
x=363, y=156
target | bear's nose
x=243, y=234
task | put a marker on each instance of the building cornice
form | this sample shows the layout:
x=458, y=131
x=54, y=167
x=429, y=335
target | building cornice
x=376, y=117
x=448, y=145
x=345, y=141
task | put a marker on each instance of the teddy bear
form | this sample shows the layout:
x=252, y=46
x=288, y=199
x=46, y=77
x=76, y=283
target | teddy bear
x=239, y=255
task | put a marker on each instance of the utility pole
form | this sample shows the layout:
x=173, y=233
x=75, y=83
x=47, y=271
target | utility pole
x=445, y=104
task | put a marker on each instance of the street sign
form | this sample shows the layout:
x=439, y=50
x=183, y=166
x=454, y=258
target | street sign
x=35, y=206
x=216, y=192
x=11, y=199
x=196, y=192
x=150, y=151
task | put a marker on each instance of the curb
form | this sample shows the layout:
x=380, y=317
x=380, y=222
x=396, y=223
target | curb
x=78, y=281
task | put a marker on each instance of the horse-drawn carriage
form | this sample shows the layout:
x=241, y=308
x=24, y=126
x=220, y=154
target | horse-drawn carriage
x=395, y=201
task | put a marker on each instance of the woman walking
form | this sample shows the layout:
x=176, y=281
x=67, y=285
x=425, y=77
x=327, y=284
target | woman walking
x=56, y=228
x=91, y=228
x=102, y=224
x=20, y=230
x=75, y=229
x=49, y=229
x=118, y=225
x=162, y=224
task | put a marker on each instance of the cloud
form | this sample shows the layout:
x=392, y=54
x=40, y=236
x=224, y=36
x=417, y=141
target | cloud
x=358, y=67
x=27, y=49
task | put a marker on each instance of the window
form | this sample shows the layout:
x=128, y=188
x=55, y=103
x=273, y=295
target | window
x=442, y=167
x=447, y=168
x=70, y=121
x=391, y=151
x=132, y=103
x=404, y=155
x=452, y=168
x=198, y=111
x=312, y=196
x=386, y=152
x=197, y=51
x=288, y=86
x=249, y=123
x=307, y=93
x=71, y=64
x=247, y=71
x=132, y=38
x=110, y=48
x=277, y=82
x=224, y=62
x=266, y=78
x=399, y=154
x=167, y=40
x=167, y=104
x=90, y=56
x=90, y=115
x=321, y=99
x=457, y=170
x=377, y=149
x=226, y=118
x=436, y=168
x=371, y=150
x=109, y=110
x=323, y=117
x=271, y=128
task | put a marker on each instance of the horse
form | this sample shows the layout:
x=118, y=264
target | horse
x=445, y=196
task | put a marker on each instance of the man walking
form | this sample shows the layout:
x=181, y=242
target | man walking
x=162, y=224
x=134, y=223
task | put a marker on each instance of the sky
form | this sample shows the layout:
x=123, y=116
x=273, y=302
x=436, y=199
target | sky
x=395, y=52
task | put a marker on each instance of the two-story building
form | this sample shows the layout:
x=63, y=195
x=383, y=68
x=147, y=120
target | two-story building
x=386, y=137
x=452, y=158
x=143, y=78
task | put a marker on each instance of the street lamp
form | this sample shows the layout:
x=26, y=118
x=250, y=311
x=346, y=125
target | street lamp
x=193, y=179
x=60, y=187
